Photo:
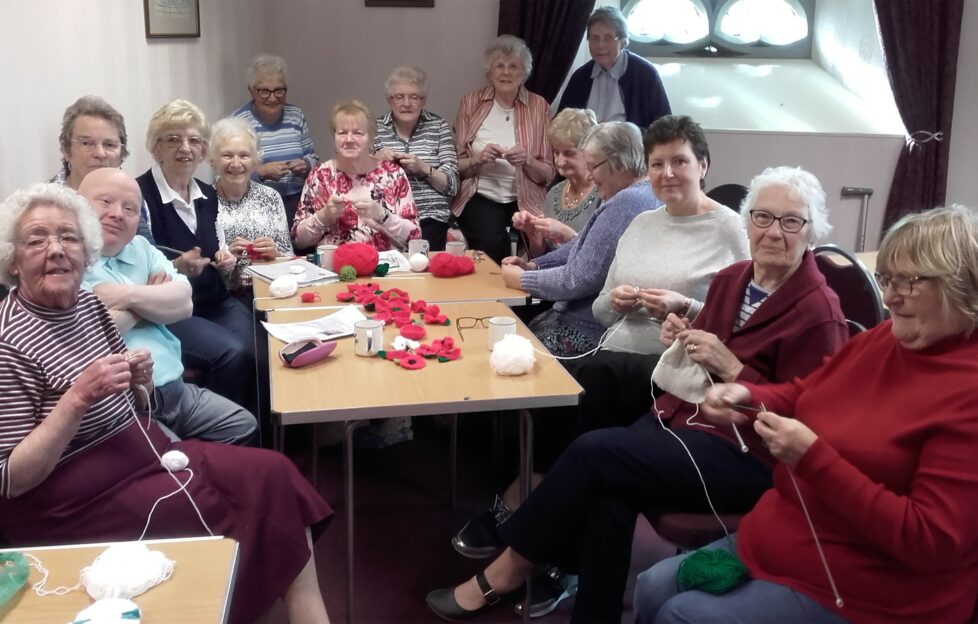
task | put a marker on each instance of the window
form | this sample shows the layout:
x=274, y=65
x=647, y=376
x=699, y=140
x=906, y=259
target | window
x=721, y=28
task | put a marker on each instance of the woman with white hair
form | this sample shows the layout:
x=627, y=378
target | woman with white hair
x=769, y=319
x=504, y=155
x=251, y=221
x=422, y=144
x=285, y=144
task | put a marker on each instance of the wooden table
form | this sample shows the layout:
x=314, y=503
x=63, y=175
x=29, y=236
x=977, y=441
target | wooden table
x=349, y=388
x=198, y=591
x=485, y=284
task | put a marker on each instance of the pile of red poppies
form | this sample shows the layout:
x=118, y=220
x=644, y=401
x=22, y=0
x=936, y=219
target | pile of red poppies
x=444, y=350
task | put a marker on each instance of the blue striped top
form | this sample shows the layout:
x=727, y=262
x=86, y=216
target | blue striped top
x=285, y=140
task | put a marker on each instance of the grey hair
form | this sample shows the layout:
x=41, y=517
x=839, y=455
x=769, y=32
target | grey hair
x=20, y=202
x=232, y=128
x=610, y=16
x=267, y=64
x=509, y=45
x=407, y=73
x=621, y=144
x=91, y=106
x=803, y=185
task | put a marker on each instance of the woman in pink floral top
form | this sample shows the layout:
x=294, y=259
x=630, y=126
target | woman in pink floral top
x=356, y=197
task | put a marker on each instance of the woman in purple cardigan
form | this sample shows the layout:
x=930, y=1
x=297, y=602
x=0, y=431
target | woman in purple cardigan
x=770, y=318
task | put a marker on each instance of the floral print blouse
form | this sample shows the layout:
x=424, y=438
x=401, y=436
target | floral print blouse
x=386, y=184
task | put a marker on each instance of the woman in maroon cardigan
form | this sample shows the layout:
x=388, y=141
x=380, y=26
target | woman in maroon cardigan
x=771, y=318
x=876, y=457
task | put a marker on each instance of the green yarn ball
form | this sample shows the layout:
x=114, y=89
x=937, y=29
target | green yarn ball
x=382, y=269
x=711, y=571
x=348, y=274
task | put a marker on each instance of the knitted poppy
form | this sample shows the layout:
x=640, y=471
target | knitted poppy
x=427, y=351
x=383, y=316
x=411, y=362
x=447, y=265
x=436, y=319
x=395, y=293
x=344, y=296
x=401, y=319
x=419, y=306
x=361, y=256
x=412, y=331
x=395, y=355
x=449, y=356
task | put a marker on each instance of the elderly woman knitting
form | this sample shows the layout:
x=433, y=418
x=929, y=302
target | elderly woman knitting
x=771, y=318
x=871, y=518
x=77, y=465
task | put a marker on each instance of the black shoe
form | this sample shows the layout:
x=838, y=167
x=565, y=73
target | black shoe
x=548, y=591
x=442, y=601
x=479, y=539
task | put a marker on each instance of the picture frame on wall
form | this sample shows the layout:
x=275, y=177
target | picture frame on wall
x=167, y=19
x=418, y=4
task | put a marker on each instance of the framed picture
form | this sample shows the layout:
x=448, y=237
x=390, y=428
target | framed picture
x=172, y=18
x=400, y=3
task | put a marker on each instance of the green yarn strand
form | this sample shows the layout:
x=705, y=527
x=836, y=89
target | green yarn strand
x=711, y=571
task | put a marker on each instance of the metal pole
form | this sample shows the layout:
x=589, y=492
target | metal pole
x=865, y=194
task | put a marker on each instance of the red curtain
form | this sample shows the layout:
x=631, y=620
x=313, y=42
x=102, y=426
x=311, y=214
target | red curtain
x=553, y=30
x=920, y=46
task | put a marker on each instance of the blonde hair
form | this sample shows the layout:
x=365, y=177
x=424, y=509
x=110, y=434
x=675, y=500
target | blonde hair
x=941, y=244
x=177, y=114
x=354, y=108
x=570, y=126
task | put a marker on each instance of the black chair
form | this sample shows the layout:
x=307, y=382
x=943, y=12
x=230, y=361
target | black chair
x=730, y=195
x=859, y=294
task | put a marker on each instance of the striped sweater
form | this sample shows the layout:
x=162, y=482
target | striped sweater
x=286, y=139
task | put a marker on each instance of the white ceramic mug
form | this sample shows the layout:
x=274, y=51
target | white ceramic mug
x=326, y=256
x=456, y=248
x=418, y=246
x=368, y=337
x=500, y=326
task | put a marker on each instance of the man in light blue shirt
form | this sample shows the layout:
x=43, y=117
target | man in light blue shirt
x=144, y=292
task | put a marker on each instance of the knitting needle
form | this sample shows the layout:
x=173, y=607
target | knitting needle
x=743, y=445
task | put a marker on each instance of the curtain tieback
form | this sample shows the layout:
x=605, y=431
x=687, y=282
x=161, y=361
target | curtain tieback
x=918, y=138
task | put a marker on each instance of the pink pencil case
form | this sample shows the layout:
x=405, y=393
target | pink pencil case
x=305, y=352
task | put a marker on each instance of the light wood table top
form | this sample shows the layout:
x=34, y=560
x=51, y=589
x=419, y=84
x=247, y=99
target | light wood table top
x=485, y=284
x=198, y=591
x=346, y=386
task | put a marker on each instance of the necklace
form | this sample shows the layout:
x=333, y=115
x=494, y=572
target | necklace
x=506, y=111
x=569, y=200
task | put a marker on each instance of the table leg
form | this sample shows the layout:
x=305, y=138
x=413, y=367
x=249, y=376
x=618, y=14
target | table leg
x=526, y=474
x=453, y=453
x=351, y=425
x=315, y=456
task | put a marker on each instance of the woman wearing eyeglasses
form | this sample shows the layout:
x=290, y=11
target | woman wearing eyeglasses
x=422, y=144
x=616, y=84
x=219, y=337
x=876, y=447
x=287, y=151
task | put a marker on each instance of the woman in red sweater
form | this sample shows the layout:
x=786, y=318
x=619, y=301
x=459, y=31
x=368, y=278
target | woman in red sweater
x=877, y=447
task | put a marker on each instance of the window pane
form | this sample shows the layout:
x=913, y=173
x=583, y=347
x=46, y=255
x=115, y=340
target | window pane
x=674, y=21
x=775, y=22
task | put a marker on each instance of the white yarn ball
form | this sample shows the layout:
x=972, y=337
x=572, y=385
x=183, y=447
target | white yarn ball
x=418, y=262
x=513, y=355
x=284, y=286
x=110, y=611
x=125, y=570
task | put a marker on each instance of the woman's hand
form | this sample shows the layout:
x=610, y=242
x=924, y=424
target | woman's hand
x=519, y=262
x=385, y=153
x=239, y=247
x=273, y=170
x=140, y=367
x=624, y=298
x=717, y=406
x=671, y=327
x=523, y=220
x=516, y=156
x=660, y=302
x=553, y=230
x=490, y=154
x=707, y=349
x=369, y=209
x=411, y=164
x=191, y=263
x=330, y=211
x=224, y=261
x=266, y=247
x=511, y=275
x=103, y=377
x=787, y=439
x=299, y=167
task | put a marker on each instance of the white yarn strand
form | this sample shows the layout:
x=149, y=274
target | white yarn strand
x=38, y=587
x=605, y=338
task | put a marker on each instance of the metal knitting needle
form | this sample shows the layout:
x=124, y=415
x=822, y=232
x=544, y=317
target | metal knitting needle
x=743, y=445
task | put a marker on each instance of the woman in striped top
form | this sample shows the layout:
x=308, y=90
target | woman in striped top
x=76, y=465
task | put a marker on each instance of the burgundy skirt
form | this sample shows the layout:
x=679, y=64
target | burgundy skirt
x=105, y=493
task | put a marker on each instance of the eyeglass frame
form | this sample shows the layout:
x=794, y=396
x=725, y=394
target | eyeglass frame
x=607, y=39
x=884, y=281
x=476, y=321
x=414, y=98
x=590, y=168
x=270, y=92
x=175, y=141
x=108, y=146
x=47, y=238
x=780, y=221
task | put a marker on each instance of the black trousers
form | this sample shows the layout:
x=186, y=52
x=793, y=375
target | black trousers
x=484, y=223
x=617, y=392
x=582, y=516
x=435, y=232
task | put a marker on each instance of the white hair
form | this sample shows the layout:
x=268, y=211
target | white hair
x=621, y=144
x=509, y=45
x=232, y=128
x=407, y=73
x=266, y=64
x=806, y=188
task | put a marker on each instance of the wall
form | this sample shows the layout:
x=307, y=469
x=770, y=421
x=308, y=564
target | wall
x=962, y=181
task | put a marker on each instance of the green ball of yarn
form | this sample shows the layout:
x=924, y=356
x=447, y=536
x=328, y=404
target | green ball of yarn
x=13, y=574
x=382, y=269
x=348, y=274
x=711, y=571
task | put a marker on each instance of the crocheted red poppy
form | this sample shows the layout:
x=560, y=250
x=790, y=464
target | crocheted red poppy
x=412, y=362
x=448, y=356
x=412, y=331
x=395, y=354
x=419, y=306
x=344, y=296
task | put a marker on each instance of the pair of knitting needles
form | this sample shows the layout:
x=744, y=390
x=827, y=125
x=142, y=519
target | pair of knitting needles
x=748, y=408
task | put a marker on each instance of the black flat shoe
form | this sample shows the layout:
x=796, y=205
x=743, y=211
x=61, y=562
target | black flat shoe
x=443, y=604
x=479, y=539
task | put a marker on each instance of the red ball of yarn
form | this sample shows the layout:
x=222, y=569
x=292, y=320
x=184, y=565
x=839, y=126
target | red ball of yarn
x=361, y=256
x=447, y=265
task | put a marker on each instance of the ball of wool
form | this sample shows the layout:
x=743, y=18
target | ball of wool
x=348, y=274
x=513, y=355
x=284, y=286
x=418, y=262
x=447, y=265
x=712, y=571
x=360, y=256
